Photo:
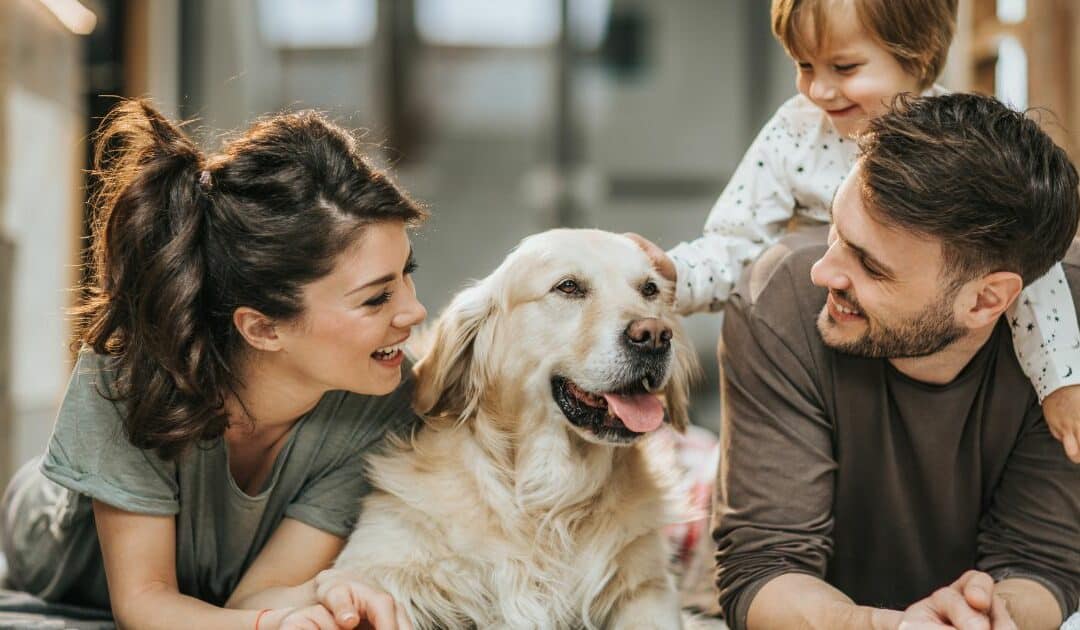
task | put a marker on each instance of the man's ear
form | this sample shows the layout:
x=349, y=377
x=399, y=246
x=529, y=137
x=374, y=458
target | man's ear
x=257, y=329
x=989, y=298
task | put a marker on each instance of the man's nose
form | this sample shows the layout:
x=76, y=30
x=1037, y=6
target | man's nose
x=648, y=334
x=828, y=273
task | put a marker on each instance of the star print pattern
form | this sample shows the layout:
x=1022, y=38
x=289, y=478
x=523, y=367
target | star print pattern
x=1045, y=333
x=792, y=170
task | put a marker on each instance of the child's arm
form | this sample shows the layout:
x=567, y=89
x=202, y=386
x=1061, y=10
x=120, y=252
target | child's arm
x=1047, y=342
x=748, y=217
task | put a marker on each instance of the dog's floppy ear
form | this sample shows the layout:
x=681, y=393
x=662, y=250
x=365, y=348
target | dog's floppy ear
x=451, y=375
x=685, y=370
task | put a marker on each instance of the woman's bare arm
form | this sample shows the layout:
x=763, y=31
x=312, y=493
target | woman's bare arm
x=139, y=552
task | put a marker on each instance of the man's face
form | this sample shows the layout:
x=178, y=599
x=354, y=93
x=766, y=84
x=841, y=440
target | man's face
x=888, y=297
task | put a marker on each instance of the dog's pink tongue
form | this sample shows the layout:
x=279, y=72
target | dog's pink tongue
x=640, y=413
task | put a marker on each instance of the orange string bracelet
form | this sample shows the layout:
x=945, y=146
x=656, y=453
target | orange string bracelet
x=259, y=617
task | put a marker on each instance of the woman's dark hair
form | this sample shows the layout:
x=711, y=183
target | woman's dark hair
x=979, y=176
x=181, y=240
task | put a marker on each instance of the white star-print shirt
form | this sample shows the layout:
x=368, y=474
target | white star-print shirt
x=792, y=171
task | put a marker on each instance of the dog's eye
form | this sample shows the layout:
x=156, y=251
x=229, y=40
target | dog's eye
x=569, y=287
x=649, y=289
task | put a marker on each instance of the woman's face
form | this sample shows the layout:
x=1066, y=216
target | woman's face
x=357, y=317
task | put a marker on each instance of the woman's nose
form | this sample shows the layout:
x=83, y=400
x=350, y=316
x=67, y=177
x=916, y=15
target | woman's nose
x=413, y=313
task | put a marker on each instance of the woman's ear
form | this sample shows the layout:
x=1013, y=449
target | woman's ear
x=685, y=370
x=257, y=329
x=451, y=375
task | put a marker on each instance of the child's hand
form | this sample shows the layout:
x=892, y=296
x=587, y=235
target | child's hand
x=659, y=258
x=1062, y=411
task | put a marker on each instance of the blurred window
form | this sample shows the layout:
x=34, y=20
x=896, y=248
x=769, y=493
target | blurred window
x=1011, y=74
x=1011, y=11
x=310, y=24
x=508, y=23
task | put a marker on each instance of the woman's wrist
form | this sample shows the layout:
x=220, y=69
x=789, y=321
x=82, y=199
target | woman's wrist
x=271, y=618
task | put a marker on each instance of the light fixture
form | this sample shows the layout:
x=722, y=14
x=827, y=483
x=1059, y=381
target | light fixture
x=72, y=14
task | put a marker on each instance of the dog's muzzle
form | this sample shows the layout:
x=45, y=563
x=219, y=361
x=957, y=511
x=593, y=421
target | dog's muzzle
x=619, y=417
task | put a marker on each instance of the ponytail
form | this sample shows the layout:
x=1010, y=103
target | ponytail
x=145, y=311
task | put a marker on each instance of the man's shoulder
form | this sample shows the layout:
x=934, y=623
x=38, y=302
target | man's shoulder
x=779, y=280
x=1071, y=265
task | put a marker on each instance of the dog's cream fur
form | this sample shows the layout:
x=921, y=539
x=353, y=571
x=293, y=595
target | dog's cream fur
x=499, y=513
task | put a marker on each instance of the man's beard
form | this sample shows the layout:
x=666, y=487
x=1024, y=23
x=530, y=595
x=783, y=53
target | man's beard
x=928, y=332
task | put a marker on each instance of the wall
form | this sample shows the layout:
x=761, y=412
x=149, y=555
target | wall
x=41, y=138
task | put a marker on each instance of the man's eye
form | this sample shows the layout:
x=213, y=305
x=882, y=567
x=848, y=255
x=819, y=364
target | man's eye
x=649, y=289
x=873, y=273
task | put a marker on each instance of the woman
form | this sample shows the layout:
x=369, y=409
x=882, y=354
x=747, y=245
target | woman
x=241, y=352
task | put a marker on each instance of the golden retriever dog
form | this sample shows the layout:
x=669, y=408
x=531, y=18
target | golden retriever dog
x=530, y=497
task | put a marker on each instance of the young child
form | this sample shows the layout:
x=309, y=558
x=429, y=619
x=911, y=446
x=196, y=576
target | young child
x=852, y=58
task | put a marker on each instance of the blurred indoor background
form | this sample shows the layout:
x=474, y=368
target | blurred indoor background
x=505, y=116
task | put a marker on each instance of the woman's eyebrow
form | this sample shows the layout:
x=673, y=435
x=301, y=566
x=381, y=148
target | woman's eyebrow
x=381, y=279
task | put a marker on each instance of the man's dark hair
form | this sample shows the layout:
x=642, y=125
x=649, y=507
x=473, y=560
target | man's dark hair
x=982, y=178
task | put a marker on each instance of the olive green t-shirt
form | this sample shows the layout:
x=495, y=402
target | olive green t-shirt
x=318, y=479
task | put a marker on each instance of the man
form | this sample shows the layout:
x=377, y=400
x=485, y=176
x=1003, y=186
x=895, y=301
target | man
x=885, y=462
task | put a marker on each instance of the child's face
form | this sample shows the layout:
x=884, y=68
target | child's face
x=852, y=78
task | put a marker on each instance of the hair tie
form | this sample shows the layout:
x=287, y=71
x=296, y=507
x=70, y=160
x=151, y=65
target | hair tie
x=204, y=179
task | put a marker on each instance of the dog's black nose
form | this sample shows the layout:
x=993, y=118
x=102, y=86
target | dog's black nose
x=648, y=334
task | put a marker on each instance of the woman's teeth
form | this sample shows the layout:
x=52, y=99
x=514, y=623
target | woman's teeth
x=388, y=352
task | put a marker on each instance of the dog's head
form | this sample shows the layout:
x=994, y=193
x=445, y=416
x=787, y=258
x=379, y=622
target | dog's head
x=577, y=321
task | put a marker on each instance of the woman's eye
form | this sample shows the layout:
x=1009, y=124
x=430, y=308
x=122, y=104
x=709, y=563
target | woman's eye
x=846, y=67
x=379, y=299
x=805, y=67
x=649, y=289
x=569, y=287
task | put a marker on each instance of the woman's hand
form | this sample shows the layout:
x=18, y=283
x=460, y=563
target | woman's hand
x=348, y=601
x=315, y=617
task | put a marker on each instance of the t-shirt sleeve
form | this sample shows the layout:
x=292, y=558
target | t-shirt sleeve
x=90, y=454
x=773, y=512
x=330, y=499
x=1032, y=527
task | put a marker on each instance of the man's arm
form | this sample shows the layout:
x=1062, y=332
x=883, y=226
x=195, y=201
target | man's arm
x=1028, y=537
x=802, y=601
x=1030, y=604
x=773, y=519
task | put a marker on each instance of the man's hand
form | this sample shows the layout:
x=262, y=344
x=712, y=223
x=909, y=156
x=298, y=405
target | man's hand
x=966, y=604
x=1062, y=411
x=350, y=602
x=657, y=256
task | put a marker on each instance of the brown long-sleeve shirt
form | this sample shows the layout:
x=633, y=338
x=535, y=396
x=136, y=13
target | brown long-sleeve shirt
x=885, y=487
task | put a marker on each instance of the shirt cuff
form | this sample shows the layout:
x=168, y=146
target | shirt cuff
x=684, y=295
x=1055, y=590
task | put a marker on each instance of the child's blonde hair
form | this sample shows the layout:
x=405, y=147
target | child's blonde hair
x=916, y=32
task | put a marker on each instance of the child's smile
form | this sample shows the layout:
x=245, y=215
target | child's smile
x=849, y=75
